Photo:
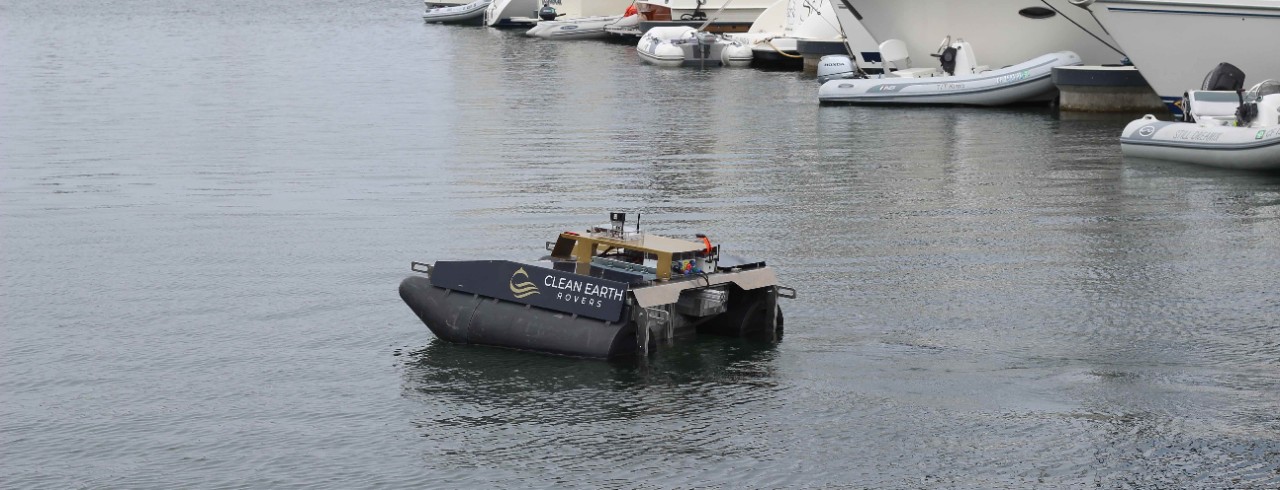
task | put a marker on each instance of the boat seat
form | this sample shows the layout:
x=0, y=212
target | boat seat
x=1212, y=104
x=894, y=52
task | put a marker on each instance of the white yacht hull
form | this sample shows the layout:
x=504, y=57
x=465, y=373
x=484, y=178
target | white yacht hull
x=576, y=9
x=512, y=13
x=1173, y=43
x=1234, y=147
x=1002, y=35
x=1024, y=82
x=741, y=11
x=770, y=35
x=776, y=34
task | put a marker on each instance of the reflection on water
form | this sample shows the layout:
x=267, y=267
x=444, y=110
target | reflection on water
x=513, y=412
x=206, y=208
x=706, y=359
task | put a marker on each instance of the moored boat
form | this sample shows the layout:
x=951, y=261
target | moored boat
x=723, y=15
x=1225, y=126
x=530, y=13
x=686, y=46
x=1007, y=31
x=775, y=36
x=470, y=13
x=512, y=13
x=561, y=10
x=608, y=292
x=960, y=80
x=1172, y=41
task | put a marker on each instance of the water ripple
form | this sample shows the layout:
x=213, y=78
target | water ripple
x=206, y=207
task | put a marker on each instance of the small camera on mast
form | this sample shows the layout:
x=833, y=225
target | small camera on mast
x=619, y=222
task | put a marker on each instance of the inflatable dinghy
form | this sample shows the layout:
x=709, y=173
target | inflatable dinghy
x=686, y=46
x=1225, y=126
x=608, y=292
x=960, y=80
x=471, y=13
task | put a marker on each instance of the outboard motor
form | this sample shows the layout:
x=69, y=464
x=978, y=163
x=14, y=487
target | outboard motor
x=836, y=67
x=948, y=59
x=1225, y=76
x=547, y=12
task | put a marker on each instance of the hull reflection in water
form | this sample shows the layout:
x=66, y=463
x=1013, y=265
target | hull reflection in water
x=440, y=366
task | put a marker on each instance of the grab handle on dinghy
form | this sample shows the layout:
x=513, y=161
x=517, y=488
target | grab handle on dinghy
x=421, y=267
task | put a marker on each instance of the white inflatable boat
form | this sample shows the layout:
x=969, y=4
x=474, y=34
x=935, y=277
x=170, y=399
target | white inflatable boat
x=1225, y=128
x=459, y=14
x=686, y=46
x=582, y=28
x=960, y=79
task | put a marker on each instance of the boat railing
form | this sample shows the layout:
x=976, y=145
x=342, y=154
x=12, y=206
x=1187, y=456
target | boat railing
x=786, y=292
x=421, y=267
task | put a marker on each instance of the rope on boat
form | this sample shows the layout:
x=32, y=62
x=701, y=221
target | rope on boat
x=781, y=52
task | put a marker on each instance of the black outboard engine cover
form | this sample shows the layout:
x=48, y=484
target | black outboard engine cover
x=547, y=12
x=1225, y=76
x=948, y=60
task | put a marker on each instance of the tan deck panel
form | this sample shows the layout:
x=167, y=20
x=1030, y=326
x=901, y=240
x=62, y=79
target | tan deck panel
x=668, y=293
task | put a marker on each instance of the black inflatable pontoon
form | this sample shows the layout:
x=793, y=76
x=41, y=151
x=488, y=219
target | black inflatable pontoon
x=609, y=292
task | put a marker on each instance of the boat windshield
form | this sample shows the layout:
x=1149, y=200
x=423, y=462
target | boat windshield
x=1257, y=92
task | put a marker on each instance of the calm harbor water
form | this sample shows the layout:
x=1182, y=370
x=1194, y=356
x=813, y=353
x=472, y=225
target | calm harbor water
x=206, y=207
